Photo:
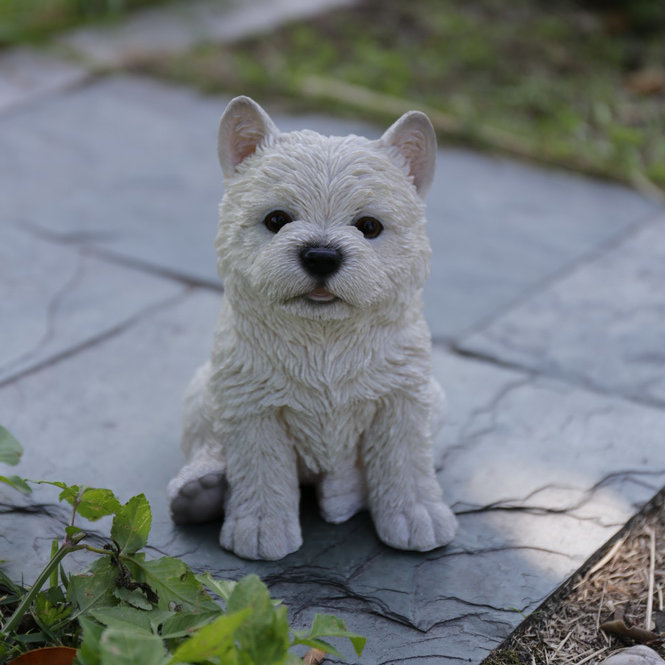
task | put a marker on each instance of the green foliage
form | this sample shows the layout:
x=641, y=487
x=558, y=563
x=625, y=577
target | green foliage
x=30, y=20
x=10, y=453
x=215, y=641
x=10, y=449
x=126, y=609
x=131, y=525
x=328, y=626
x=264, y=638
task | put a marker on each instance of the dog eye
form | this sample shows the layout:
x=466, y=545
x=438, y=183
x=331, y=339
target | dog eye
x=276, y=219
x=369, y=227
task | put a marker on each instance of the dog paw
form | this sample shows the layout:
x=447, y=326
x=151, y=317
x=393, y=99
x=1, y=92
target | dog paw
x=268, y=537
x=341, y=496
x=420, y=526
x=198, y=500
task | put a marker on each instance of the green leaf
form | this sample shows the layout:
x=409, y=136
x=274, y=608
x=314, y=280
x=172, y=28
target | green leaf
x=10, y=586
x=64, y=578
x=135, y=598
x=69, y=492
x=72, y=531
x=17, y=483
x=264, y=638
x=223, y=588
x=124, y=617
x=131, y=524
x=119, y=646
x=184, y=624
x=215, y=639
x=49, y=609
x=91, y=502
x=174, y=582
x=91, y=633
x=250, y=591
x=95, y=503
x=327, y=625
x=10, y=449
x=94, y=588
x=53, y=581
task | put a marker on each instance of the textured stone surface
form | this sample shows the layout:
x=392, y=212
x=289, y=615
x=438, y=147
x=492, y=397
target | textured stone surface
x=121, y=165
x=601, y=326
x=128, y=166
x=182, y=25
x=540, y=474
x=54, y=299
x=500, y=229
x=28, y=75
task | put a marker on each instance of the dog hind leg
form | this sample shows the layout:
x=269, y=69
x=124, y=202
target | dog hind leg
x=196, y=493
x=342, y=493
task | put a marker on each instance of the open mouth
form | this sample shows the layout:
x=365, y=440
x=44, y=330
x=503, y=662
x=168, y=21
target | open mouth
x=320, y=295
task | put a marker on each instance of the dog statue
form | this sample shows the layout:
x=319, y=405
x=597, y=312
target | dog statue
x=321, y=362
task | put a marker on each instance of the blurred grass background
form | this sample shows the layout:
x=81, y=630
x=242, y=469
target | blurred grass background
x=35, y=20
x=574, y=83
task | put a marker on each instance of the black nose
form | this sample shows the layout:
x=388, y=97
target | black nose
x=321, y=261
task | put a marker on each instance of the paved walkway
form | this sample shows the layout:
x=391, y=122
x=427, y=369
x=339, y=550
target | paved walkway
x=547, y=308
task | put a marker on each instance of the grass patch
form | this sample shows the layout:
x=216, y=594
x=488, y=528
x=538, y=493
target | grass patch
x=558, y=83
x=35, y=20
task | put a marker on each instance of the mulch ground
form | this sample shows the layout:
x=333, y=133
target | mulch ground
x=616, y=599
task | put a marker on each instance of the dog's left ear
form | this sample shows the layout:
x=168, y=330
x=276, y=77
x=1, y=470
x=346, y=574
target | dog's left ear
x=243, y=127
x=414, y=138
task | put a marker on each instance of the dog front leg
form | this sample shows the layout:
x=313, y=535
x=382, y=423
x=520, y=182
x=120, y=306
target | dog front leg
x=263, y=496
x=404, y=496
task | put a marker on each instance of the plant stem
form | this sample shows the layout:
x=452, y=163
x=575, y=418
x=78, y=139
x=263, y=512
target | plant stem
x=23, y=606
x=96, y=550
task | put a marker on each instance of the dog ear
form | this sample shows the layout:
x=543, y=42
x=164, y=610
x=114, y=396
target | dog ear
x=243, y=127
x=414, y=138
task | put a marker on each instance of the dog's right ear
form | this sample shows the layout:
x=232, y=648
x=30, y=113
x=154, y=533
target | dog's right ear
x=243, y=127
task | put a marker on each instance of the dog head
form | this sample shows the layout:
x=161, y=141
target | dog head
x=323, y=227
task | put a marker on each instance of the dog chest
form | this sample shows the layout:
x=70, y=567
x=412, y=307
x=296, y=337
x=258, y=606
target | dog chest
x=325, y=435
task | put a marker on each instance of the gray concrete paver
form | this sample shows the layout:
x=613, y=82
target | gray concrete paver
x=602, y=325
x=501, y=229
x=54, y=299
x=27, y=75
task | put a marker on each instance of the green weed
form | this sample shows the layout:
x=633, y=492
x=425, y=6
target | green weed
x=128, y=608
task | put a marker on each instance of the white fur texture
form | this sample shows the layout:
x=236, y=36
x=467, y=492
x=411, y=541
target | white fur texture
x=340, y=393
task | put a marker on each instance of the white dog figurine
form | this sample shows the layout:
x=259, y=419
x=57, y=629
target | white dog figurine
x=321, y=364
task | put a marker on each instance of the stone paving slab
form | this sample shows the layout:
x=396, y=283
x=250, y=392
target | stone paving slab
x=128, y=166
x=112, y=164
x=540, y=473
x=601, y=325
x=28, y=75
x=501, y=229
x=54, y=299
